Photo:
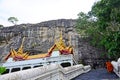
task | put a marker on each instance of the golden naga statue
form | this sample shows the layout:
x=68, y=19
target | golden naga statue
x=18, y=55
x=59, y=45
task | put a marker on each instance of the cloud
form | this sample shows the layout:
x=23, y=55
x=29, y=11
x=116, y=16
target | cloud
x=35, y=11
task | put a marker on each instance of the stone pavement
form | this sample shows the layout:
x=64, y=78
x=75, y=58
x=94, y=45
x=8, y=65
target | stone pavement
x=97, y=74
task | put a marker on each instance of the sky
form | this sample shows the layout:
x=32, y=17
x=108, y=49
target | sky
x=36, y=11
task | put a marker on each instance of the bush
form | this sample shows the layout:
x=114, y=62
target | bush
x=2, y=69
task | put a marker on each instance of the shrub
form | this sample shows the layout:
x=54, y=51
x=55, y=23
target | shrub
x=2, y=69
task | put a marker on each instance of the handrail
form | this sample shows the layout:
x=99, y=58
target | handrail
x=46, y=72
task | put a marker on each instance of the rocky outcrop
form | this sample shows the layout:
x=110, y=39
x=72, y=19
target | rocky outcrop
x=90, y=54
x=38, y=37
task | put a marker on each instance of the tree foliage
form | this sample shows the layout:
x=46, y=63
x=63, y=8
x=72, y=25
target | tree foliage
x=13, y=20
x=2, y=70
x=1, y=26
x=102, y=23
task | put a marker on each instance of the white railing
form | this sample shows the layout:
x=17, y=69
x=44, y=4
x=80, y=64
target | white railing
x=50, y=72
x=42, y=61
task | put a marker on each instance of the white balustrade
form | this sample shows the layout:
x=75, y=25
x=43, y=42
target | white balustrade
x=50, y=72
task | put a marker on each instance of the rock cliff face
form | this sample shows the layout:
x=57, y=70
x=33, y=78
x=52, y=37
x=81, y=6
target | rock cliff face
x=40, y=37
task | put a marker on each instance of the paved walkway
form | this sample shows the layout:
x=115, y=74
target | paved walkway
x=97, y=74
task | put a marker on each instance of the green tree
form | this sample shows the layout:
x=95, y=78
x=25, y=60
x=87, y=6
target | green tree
x=13, y=20
x=108, y=15
x=82, y=23
x=102, y=23
x=1, y=26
